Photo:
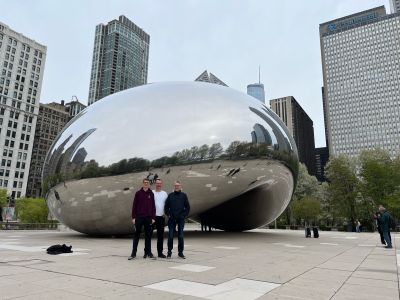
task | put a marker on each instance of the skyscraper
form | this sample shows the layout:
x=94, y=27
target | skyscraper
x=51, y=120
x=204, y=77
x=256, y=90
x=300, y=126
x=321, y=159
x=361, y=72
x=22, y=63
x=395, y=6
x=120, y=58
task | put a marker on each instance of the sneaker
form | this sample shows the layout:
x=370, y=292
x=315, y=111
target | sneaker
x=131, y=257
x=151, y=256
x=181, y=255
x=388, y=247
x=161, y=256
x=145, y=256
x=169, y=255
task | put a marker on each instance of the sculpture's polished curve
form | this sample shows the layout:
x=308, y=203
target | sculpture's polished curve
x=235, y=158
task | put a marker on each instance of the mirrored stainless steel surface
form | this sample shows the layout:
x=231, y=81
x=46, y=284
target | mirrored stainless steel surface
x=235, y=158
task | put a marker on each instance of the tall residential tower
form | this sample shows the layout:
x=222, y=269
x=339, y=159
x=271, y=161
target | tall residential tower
x=361, y=72
x=22, y=63
x=120, y=58
x=395, y=6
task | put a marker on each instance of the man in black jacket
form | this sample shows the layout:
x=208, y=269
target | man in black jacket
x=177, y=209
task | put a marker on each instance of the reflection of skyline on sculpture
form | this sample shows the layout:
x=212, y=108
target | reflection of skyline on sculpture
x=220, y=143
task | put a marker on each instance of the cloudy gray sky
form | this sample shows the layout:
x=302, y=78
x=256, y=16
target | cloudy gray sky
x=230, y=38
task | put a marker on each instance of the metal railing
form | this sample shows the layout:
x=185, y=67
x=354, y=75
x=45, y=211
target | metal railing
x=28, y=226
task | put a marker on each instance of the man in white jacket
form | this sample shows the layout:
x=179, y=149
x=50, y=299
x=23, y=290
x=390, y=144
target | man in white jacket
x=159, y=197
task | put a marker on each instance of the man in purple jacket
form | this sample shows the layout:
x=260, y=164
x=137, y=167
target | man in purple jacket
x=143, y=215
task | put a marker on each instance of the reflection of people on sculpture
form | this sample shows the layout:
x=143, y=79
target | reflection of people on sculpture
x=177, y=209
x=204, y=224
x=159, y=197
x=143, y=215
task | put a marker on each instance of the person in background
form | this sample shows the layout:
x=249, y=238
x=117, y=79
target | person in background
x=385, y=222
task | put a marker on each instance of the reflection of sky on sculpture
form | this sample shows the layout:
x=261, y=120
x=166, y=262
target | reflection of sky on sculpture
x=203, y=118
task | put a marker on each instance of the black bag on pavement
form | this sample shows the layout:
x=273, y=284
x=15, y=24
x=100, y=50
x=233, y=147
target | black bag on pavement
x=315, y=232
x=59, y=249
x=308, y=232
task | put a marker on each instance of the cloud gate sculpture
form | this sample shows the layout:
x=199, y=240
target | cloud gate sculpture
x=235, y=158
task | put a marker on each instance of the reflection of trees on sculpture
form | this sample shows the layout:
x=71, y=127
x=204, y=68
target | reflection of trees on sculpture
x=71, y=161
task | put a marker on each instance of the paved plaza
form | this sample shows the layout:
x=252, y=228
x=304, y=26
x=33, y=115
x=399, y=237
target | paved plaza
x=258, y=264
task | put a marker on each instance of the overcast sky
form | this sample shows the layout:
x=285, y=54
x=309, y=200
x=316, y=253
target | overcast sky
x=229, y=38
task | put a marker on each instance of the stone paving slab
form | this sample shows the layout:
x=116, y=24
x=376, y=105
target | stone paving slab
x=258, y=264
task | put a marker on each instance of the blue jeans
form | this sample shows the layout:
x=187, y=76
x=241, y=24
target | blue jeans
x=171, y=228
x=387, y=239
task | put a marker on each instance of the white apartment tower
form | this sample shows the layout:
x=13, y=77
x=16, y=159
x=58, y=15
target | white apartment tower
x=395, y=6
x=361, y=72
x=22, y=63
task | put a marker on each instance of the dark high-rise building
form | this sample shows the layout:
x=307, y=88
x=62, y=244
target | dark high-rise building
x=300, y=126
x=321, y=159
x=51, y=120
x=120, y=58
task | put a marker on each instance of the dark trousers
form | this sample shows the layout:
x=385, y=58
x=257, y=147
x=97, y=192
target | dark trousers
x=387, y=237
x=171, y=228
x=160, y=224
x=139, y=223
x=382, y=237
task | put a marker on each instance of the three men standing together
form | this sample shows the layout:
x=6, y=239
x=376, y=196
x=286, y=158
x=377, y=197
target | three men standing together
x=149, y=207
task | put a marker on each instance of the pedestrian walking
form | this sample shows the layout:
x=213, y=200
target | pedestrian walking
x=385, y=222
x=143, y=216
x=177, y=208
x=358, y=225
x=160, y=197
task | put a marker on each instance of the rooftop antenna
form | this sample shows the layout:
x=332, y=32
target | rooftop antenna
x=259, y=74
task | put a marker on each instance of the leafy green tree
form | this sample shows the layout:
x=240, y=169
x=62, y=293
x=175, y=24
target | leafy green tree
x=344, y=186
x=307, y=186
x=31, y=210
x=307, y=209
x=3, y=198
x=381, y=179
x=3, y=201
